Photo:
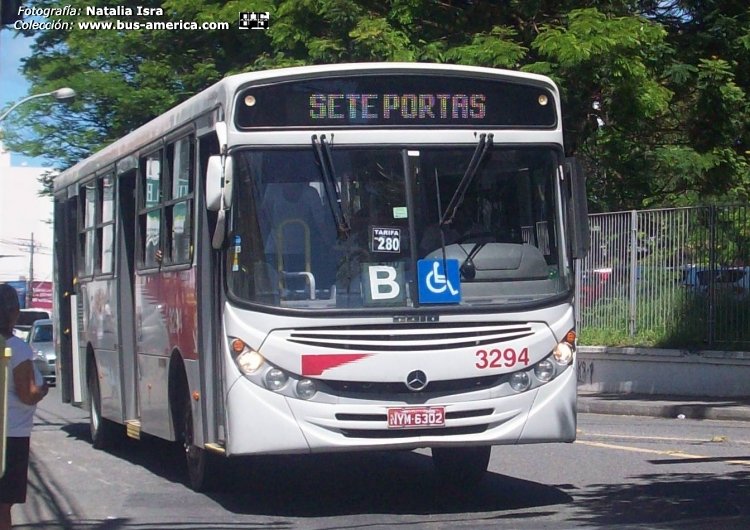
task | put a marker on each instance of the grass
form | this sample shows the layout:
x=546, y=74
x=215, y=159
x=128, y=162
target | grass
x=668, y=317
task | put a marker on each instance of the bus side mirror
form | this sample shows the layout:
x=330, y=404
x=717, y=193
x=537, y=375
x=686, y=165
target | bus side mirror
x=578, y=210
x=219, y=177
x=219, y=182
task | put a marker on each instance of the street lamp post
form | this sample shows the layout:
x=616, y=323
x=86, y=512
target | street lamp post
x=61, y=94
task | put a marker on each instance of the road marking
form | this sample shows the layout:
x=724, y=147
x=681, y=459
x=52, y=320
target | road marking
x=678, y=454
x=713, y=439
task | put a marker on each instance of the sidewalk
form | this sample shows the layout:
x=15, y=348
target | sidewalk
x=708, y=408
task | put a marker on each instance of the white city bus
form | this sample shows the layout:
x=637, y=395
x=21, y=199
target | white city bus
x=328, y=258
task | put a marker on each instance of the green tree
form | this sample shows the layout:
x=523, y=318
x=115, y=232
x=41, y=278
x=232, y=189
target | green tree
x=124, y=78
x=654, y=91
x=705, y=155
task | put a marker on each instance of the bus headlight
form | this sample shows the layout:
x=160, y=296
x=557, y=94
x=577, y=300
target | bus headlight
x=544, y=371
x=563, y=352
x=275, y=379
x=248, y=360
x=520, y=381
x=306, y=388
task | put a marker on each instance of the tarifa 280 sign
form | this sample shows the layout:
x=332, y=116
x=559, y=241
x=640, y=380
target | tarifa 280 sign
x=372, y=100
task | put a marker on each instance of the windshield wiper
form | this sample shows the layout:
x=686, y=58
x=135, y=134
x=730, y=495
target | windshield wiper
x=480, y=152
x=325, y=159
x=467, y=268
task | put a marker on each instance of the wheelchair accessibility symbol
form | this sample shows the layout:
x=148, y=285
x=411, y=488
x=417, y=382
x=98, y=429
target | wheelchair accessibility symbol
x=439, y=281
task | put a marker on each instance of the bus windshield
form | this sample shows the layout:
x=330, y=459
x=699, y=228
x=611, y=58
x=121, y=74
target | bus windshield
x=287, y=247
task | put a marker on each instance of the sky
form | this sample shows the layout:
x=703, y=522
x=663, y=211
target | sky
x=13, y=86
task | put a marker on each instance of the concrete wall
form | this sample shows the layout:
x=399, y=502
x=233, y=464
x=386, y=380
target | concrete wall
x=663, y=372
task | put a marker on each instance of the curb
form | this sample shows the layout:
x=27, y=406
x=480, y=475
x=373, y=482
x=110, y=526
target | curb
x=685, y=409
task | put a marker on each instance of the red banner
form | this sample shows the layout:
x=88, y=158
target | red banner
x=41, y=296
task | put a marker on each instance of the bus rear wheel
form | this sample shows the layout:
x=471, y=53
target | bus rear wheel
x=463, y=466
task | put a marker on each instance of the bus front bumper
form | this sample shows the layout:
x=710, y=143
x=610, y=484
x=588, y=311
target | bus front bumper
x=263, y=422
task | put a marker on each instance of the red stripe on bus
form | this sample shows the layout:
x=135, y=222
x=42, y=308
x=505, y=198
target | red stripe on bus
x=317, y=364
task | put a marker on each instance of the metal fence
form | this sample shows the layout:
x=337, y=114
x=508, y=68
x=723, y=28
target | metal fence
x=667, y=278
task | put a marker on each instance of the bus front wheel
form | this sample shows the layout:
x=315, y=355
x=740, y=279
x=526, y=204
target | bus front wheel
x=202, y=466
x=462, y=466
x=104, y=433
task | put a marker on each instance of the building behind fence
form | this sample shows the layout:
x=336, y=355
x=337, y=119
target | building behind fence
x=671, y=278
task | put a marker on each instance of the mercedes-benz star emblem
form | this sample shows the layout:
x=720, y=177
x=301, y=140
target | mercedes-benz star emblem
x=416, y=380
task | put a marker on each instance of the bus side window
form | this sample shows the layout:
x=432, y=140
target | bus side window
x=96, y=232
x=150, y=211
x=106, y=229
x=208, y=145
x=87, y=228
x=178, y=212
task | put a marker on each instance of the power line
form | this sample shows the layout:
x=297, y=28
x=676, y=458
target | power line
x=31, y=247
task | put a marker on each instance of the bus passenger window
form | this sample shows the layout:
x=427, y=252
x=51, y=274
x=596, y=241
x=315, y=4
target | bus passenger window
x=181, y=231
x=150, y=212
x=106, y=191
x=181, y=169
x=151, y=253
x=96, y=235
x=87, y=197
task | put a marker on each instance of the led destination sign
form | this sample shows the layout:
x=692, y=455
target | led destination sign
x=396, y=100
x=407, y=106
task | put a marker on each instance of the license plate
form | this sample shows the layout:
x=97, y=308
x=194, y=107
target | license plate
x=416, y=418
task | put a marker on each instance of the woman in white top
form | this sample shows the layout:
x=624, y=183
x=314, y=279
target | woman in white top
x=26, y=388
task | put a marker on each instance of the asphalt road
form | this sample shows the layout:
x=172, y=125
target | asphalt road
x=623, y=472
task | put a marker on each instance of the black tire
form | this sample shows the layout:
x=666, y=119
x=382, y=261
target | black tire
x=203, y=467
x=105, y=434
x=461, y=466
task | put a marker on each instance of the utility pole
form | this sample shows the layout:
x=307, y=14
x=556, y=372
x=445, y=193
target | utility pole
x=34, y=248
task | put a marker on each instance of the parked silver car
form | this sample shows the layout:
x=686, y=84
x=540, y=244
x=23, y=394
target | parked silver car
x=25, y=319
x=41, y=342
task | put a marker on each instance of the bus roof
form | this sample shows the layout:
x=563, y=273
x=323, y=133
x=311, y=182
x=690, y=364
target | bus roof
x=221, y=93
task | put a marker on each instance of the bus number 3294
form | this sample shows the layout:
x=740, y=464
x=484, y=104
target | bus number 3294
x=497, y=358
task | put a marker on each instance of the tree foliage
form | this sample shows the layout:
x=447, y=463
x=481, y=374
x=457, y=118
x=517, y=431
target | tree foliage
x=654, y=91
